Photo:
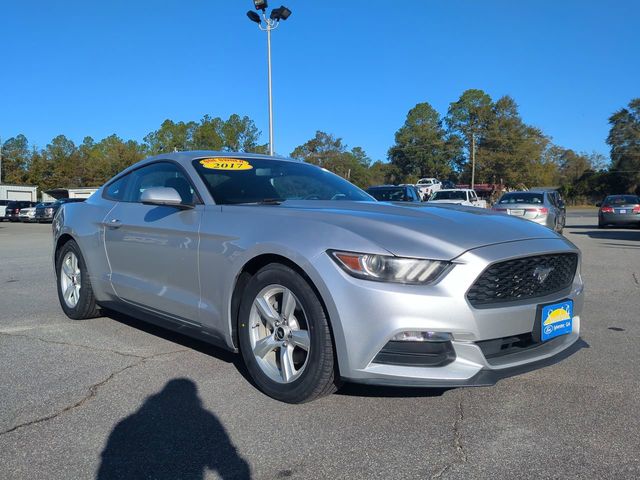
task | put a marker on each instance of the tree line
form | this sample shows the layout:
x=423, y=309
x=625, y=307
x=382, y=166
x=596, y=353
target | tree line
x=506, y=149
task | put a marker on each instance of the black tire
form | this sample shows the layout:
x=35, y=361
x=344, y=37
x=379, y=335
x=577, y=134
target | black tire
x=601, y=225
x=319, y=377
x=86, y=306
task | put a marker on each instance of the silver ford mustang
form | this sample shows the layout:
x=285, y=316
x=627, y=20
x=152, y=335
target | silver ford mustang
x=313, y=281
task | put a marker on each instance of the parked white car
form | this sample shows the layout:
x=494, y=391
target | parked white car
x=459, y=196
x=426, y=186
x=27, y=214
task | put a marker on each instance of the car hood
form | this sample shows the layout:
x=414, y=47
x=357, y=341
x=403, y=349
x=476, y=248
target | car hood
x=441, y=232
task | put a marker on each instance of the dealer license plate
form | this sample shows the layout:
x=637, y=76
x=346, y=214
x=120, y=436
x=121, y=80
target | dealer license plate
x=556, y=320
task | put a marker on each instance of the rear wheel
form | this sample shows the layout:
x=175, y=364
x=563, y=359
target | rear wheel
x=74, y=288
x=284, y=336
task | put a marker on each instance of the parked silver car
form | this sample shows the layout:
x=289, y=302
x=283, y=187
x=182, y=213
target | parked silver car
x=541, y=206
x=313, y=281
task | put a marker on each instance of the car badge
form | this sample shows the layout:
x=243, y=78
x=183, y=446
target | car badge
x=541, y=273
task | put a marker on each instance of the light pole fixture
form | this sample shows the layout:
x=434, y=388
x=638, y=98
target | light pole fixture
x=270, y=23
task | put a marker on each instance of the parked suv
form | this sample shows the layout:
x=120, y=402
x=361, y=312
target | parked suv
x=12, y=212
x=46, y=211
x=394, y=193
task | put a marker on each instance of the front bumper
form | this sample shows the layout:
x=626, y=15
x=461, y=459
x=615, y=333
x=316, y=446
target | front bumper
x=367, y=315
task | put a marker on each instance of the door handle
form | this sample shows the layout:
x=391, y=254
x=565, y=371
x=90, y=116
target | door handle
x=114, y=223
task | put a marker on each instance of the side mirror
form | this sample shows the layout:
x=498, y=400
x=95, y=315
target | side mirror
x=598, y=204
x=163, y=196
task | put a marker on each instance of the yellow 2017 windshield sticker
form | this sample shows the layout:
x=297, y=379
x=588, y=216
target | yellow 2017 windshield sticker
x=225, y=164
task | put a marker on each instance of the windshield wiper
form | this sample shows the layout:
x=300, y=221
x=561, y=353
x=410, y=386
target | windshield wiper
x=271, y=201
x=264, y=201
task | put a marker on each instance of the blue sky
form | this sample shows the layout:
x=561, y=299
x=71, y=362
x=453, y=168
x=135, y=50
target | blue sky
x=352, y=68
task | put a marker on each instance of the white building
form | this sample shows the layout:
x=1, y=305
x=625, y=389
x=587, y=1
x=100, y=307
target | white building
x=18, y=192
x=55, y=193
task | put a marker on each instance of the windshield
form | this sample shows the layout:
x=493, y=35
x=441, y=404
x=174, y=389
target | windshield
x=387, y=194
x=444, y=195
x=522, y=198
x=251, y=180
x=621, y=200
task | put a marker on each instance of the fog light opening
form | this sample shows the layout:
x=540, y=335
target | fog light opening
x=416, y=336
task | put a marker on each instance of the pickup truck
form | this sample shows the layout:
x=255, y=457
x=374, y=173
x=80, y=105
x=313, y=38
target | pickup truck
x=426, y=186
x=459, y=196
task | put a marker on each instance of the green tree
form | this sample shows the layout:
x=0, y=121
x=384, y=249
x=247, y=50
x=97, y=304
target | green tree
x=238, y=134
x=66, y=169
x=469, y=117
x=570, y=165
x=422, y=147
x=171, y=136
x=15, y=159
x=510, y=151
x=624, y=140
x=331, y=153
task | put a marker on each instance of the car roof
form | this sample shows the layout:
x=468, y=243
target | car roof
x=186, y=157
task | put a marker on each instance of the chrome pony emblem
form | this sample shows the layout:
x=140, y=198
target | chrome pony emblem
x=541, y=273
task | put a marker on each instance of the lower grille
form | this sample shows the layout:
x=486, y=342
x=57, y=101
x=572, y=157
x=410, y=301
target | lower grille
x=416, y=354
x=523, y=278
x=507, y=345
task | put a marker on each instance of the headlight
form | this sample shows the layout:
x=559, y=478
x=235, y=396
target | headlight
x=387, y=268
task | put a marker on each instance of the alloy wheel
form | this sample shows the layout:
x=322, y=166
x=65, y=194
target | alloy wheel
x=279, y=334
x=70, y=279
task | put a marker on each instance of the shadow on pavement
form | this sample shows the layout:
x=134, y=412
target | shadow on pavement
x=171, y=436
x=611, y=234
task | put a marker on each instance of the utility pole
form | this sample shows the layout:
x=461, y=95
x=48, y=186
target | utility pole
x=473, y=160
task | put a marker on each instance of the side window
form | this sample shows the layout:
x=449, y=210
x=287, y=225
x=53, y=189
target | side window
x=161, y=174
x=115, y=191
x=552, y=199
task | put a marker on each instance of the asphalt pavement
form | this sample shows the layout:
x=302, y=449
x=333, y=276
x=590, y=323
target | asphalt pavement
x=113, y=397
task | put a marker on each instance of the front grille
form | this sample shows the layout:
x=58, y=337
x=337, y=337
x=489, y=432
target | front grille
x=523, y=278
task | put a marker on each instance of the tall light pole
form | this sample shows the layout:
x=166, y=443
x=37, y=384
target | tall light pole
x=271, y=23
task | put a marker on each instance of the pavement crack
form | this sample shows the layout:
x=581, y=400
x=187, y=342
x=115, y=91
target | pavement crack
x=91, y=392
x=635, y=279
x=457, y=434
x=69, y=344
x=458, y=445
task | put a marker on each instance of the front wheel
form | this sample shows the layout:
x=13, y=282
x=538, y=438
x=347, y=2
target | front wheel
x=74, y=288
x=285, y=338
